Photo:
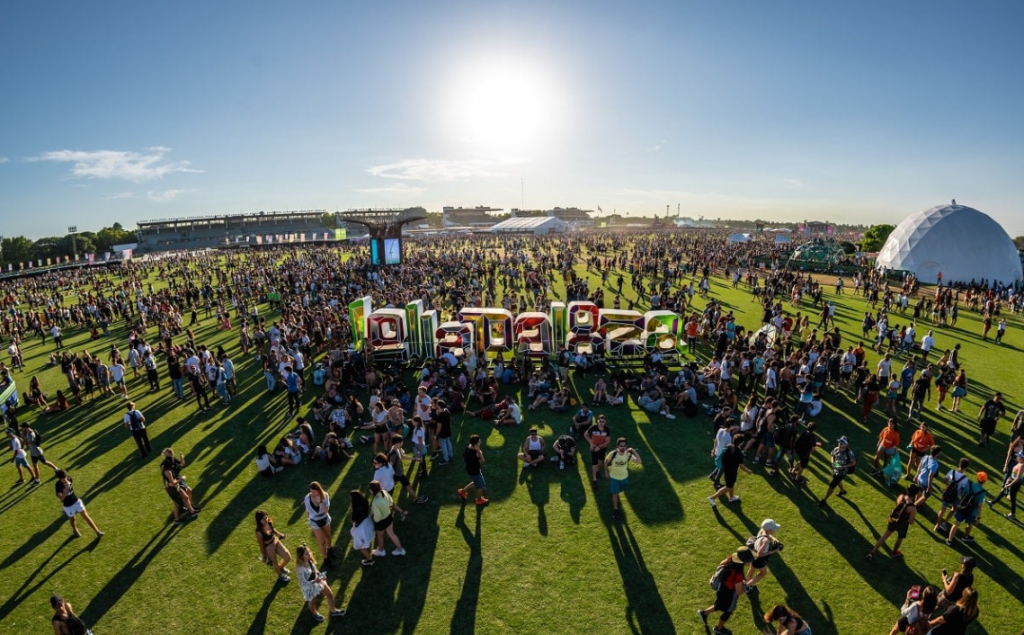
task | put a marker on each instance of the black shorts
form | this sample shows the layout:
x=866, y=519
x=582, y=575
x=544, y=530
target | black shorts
x=403, y=479
x=988, y=426
x=381, y=525
x=804, y=459
x=836, y=480
x=596, y=458
x=730, y=479
x=725, y=601
x=535, y=454
x=896, y=529
x=760, y=563
x=380, y=429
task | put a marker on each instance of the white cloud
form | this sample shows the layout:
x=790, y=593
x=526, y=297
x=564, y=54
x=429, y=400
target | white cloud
x=398, y=189
x=116, y=196
x=658, y=146
x=165, y=196
x=136, y=167
x=793, y=183
x=432, y=170
x=4, y=159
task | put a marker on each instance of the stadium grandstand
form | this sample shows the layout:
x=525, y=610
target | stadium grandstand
x=236, y=230
x=479, y=216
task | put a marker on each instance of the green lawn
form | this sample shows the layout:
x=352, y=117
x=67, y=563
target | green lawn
x=544, y=556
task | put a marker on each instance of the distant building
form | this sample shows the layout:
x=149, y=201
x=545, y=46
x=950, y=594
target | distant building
x=209, y=232
x=478, y=216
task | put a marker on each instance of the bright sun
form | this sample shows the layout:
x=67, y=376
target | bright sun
x=502, y=107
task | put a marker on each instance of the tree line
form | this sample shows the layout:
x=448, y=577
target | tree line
x=18, y=249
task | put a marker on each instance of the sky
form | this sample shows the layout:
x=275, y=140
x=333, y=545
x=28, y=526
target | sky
x=853, y=112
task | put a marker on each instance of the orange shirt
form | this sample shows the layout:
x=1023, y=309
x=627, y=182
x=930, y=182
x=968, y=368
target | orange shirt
x=889, y=438
x=922, y=441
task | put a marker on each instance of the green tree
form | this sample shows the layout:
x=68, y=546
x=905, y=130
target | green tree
x=875, y=237
x=1019, y=242
x=16, y=249
x=49, y=247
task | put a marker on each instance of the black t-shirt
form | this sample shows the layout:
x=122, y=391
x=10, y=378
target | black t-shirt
x=444, y=423
x=472, y=461
x=172, y=465
x=69, y=492
x=954, y=622
x=732, y=459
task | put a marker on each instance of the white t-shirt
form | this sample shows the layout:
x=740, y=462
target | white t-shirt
x=385, y=475
x=117, y=372
x=515, y=413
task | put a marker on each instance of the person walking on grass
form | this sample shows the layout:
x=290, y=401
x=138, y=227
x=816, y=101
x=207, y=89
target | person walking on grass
x=956, y=484
x=599, y=436
x=888, y=445
x=382, y=508
x=474, y=459
x=362, y=526
x=318, y=508
x=900, y=519
x=176, y=486
x=968, y=509
x=14, y=441
x=843, y=462
x=313, y=584
x=765, y=545
x=135, y=422
x=731, y=460
x=989, y=416
x=396, y=457
x=73, y=505
x=273, y=553
x=618, y=471
x=1011, y=486
x=728, y=585
x=35, y=450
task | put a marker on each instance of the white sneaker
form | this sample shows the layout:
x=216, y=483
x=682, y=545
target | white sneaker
x=398, y=552
x=379, y=553
x=561, y=465
x=734, y=499
x=712, y=501
x=670, y=415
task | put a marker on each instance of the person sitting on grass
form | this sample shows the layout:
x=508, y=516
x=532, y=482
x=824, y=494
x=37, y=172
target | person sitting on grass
x=511, y=415
x=532, y=454
x=267, y=463
x=565, y=451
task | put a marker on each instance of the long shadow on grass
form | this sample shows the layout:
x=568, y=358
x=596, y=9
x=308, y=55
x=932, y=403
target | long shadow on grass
x=645, y=611
x=27, y=588
x=259, y=622
x=124, y=579
x=464, y=617
x=538, y=488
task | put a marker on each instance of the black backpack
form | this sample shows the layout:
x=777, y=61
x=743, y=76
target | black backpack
x=968, y=502
x=949, y=495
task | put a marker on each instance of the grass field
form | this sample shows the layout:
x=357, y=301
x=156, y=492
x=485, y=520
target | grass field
x=544, y=556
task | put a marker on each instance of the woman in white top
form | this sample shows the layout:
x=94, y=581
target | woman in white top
x=313, y=584
x=318, y=507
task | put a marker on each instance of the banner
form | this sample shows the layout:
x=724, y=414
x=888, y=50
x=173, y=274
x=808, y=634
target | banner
x=92, y=258
x=126, y=254
x=340, y=234
x=259, y=240
x=49, y=261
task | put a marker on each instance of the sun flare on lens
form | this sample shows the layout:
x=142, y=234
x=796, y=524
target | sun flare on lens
x=503, y=106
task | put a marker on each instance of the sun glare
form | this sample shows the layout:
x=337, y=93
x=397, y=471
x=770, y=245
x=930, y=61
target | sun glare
x=503, y=107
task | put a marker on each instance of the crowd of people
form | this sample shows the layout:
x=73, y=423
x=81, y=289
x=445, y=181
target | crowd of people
x=762, y=384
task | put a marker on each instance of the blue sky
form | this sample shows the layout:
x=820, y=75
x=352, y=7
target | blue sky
x=784, y=110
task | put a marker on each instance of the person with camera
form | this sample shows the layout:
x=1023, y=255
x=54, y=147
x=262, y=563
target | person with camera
x=313, y=584
x=790, y=622
x=64, y=620
x=617, y=462
x=920, y=603
x=900, y=519
x=844, y=461
x=176, y=486
x=765, y=545
x=953, y=586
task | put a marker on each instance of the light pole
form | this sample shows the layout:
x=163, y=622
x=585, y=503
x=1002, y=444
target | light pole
x=73, y=229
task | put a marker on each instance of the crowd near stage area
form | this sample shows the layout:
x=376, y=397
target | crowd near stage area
x=593, y=431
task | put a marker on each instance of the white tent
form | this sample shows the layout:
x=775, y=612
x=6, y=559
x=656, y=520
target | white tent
x=957, y=241
x=739, y=238
x=782, y=239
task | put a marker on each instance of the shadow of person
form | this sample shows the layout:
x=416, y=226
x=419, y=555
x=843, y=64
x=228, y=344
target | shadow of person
x=645, y=611
x=540, y=495
x=464, y=617
x=259, y=621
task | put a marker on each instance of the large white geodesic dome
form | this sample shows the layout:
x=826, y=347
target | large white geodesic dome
x=958, y=241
